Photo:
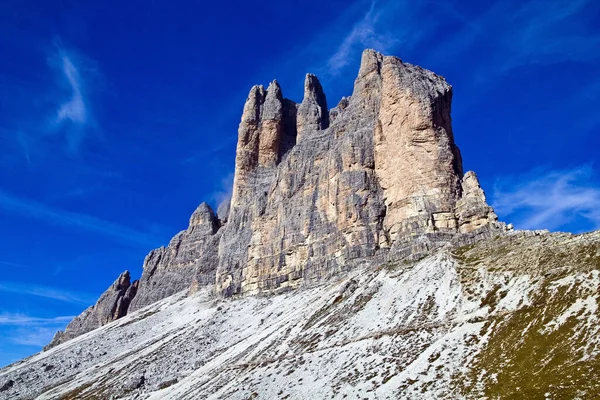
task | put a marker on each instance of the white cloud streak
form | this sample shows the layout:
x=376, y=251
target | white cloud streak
x=386, y=25
x=549, y=200
x=74, y=109
x=35, y=336
x=34, y=210
x=47, y=292
x=364, y=33
x=26, y=320
x=72, y=117
x=26, y=330
x=522, y=33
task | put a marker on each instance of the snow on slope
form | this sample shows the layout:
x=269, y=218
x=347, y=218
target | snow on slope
x=438, y=328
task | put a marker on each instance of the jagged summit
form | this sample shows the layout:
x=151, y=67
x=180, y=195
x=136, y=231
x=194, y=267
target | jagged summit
x=313, y=114
x=317, y=192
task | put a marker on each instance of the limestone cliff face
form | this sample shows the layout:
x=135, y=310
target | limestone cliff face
x=318, y=191
x=380, y=168
x=416, y=160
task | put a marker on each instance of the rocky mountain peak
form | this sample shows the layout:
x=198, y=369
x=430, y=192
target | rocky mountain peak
x=313, y=114
x=317, y=192
x=204, y=219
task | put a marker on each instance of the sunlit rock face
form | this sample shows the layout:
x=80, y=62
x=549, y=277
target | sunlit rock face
x=320, y=191
x=380, y=168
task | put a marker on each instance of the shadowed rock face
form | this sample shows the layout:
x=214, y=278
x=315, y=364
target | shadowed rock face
x=313, y=114
x=191, y=256
x=319, y=191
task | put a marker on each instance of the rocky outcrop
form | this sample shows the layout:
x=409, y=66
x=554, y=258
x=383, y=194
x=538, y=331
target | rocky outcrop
x=313, y=114
x=416, y=160
x=190, y=256
x=112, y=304
x=317, y=191
x=472, y=210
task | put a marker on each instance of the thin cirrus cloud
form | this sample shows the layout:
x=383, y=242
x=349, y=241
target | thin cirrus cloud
x=27, y=320
x=520, y=33
x=35, y=210
x=38, y=336
x=513, y=34
x=74, y=109
x=47, y=292
x=72, y=117
x=26, y=330
x=62, y=117
x=385, y=26
x=364, y=33
x=549, y=199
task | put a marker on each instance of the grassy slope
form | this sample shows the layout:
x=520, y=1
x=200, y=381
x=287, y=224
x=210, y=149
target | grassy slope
x=530, y=355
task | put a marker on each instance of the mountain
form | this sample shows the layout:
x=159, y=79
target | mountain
x=354, y=259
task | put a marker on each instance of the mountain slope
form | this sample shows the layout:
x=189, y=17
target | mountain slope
x=510, y=317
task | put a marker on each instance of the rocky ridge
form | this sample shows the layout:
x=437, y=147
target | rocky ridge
x=318, y=192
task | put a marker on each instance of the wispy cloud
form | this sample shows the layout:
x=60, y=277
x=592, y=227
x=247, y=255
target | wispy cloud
x=36, y=336
x=52, y=110
x=76, y=193
x=224, y=191
x=11, y=264
x=26, y=330
x=74, y=109
x=47, y=292
x=511, y=34
x=549, y=200
x=364, y=33
x=26, y=320
x=72, y=117
x=385, y=26
x=35, y=210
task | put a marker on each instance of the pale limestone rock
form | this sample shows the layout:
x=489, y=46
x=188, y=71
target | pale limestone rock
x=414, y=150
x=317, y=192
x=334, y=112
x=246, y=158
x=473, y=211
x=203, y=220
x=385, y=171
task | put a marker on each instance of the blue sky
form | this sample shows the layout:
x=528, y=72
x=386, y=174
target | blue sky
x=118, y=118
